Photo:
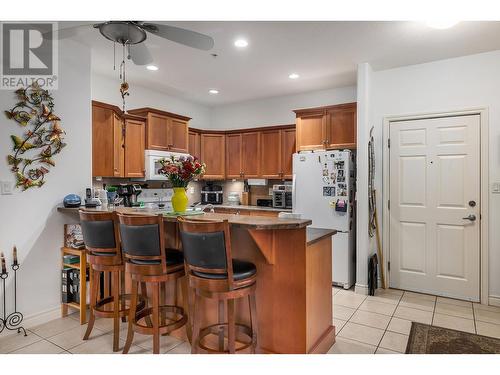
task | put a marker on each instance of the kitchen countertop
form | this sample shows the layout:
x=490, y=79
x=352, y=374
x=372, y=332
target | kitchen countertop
x=242, y=221
x=252, y=208
x=314, y=235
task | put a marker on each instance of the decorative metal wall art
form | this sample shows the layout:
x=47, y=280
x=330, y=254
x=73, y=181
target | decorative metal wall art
x=33, y=152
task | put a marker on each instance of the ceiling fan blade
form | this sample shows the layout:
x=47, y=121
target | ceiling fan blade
x=139, y=54
x=182, y=36
x=68, y=32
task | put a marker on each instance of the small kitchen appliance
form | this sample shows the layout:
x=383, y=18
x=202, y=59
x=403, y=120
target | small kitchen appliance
x=129, y=193
x=91, y=200
x=282, y=196
x=212, y=194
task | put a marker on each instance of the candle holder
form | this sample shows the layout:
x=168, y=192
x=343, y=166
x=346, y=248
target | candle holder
x=12, y=321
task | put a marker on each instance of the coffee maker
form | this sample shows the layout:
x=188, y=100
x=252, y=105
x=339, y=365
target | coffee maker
x=129, y=193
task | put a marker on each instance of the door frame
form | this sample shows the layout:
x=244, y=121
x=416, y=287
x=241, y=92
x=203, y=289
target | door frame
x=484, y=188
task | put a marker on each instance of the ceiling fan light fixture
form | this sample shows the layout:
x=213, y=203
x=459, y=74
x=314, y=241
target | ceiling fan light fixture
x=153, y=68
x=123, y=32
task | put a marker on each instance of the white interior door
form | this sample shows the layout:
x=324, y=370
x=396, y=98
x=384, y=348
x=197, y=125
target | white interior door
x=434, y=187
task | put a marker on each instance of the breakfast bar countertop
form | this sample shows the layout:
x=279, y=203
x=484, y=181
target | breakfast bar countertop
x=243, y=221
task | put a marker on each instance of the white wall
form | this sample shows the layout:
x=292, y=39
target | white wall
x=276, y=110
x=447, y=85
x=29, y=219
x=106, y=90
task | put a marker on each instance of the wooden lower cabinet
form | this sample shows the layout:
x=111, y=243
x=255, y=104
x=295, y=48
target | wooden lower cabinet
x=212, y=148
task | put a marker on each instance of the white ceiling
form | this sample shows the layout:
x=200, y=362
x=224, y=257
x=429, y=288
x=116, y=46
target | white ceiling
x=325, y=54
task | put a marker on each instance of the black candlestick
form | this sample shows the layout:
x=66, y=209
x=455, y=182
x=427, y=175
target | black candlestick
x=13, y=320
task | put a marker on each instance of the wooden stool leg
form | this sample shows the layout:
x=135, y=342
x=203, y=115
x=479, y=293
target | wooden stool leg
x=186, y=297
x=115, y=284
x=196, y=323
x=156, y=318
x=253, y=320
x=123, y=291
x=163, y=298
x=231, y=330
x=144, y=294
x=131, y=316
x=94, y=286
x=221, y=329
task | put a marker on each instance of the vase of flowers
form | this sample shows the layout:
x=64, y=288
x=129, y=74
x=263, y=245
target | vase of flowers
x=180, y=171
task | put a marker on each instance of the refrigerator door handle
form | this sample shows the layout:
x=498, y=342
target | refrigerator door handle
x=294, y=191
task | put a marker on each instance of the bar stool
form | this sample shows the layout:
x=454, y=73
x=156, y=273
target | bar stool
x=148, y=261
x=214, y=274
x=100, y=234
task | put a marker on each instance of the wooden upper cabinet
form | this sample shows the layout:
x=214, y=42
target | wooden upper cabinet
x=250, y=151
x=212, y=154
x=135, y=142
x=341, y=126
x=288, y=140
x=331, y=127
x=311, y=128
x=178, y=135
x=165, y=131
x=234, y=156
x=107, y=141
x=194, y=139
x=270, y=154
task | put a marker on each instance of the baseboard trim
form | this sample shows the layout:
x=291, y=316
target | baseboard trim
x=42, y=317
x=494, y=301
x=361, y=289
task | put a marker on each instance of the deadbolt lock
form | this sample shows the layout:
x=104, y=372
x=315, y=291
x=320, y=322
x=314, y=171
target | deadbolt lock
x=472, y=203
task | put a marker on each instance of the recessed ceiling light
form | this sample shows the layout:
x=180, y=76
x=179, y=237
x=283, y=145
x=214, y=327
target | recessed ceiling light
x=213, y=91
x=152, y=67
x=293, y=76
x=441, y=24
x=240, y=43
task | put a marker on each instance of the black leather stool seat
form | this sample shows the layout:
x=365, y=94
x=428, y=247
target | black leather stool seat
x=241, y=270
x=174, y=257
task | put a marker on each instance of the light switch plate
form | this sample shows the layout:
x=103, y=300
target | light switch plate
x=6, y=187
x=495, y=187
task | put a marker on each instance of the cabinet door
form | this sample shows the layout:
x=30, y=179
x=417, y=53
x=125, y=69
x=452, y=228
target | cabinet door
x=212, y=154
x=341, y=127
x=270, y=154
x=135, y=132
x=311, y=131
x=288, y=140
x=194, y=144
x=157, y=132
x=233, y=156
x=118, y=146
x=102, y=142
x=177, y=135
x=250, y=151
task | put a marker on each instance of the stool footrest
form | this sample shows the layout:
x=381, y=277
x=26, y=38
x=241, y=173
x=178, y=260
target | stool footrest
x=215, y=329
x=101, y=313
x=165, y=328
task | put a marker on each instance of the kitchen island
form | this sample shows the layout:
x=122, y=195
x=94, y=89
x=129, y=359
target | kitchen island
x=294, y=278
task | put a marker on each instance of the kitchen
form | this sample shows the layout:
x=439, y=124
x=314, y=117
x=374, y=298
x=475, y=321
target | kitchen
x=286, y=164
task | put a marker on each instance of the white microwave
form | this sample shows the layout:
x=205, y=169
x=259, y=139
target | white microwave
x=152, y=158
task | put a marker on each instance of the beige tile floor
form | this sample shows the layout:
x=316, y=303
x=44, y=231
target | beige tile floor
x=364, y=324
x=381, y=324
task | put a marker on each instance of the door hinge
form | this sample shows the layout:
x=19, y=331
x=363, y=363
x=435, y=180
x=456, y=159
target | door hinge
x=388, y=266
x=389, y=143
x=388, y=204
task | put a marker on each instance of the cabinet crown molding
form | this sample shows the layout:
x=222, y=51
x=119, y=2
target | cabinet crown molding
x=145, y=110
x=323, y=109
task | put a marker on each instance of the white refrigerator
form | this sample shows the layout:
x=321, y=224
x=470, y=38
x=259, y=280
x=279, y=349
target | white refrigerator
x=324, y=192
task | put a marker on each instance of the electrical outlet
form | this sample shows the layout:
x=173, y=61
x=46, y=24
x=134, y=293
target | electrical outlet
x=6, y=187
x=495, y=187
x=270, y=192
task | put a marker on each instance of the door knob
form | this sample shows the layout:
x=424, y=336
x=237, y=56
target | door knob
x=470, y=217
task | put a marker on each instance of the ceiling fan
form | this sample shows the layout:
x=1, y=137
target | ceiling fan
x=134, y=33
